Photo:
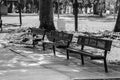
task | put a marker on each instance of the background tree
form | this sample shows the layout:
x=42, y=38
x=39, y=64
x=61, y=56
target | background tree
x=86, y=4
x=117, y=25
x=46, y=14
x=101, y=7
x=117, y=5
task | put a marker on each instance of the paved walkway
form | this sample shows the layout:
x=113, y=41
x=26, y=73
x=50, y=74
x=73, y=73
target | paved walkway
x=35, y=64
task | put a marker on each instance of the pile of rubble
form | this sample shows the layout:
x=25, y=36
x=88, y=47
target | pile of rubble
x=23, y=36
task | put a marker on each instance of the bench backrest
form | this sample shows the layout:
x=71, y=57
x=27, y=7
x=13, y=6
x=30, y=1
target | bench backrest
x=57, y=36
x=37, y=31
x=50, y=35
x=67, y=37
x=95, y=42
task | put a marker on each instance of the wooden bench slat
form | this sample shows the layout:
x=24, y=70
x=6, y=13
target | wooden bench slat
x=95, y=42
x=37, y=31
x=85, y=53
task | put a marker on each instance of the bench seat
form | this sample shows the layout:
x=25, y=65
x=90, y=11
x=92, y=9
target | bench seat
x=81, y=52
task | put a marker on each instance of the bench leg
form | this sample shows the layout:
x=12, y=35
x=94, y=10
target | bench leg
x=33, y=43
x=82, y=59
x=1, y=25
x=1, y=28
x=43, y=45
x=105, y=66
x=54, y=50
x=67, y=54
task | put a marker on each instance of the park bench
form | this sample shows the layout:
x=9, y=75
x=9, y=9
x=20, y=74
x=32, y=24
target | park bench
x=37, y=34
x=58, y=40
x=91, y=42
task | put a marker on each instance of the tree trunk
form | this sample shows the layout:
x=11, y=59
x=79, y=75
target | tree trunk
x=117, y=26
x=46, y=15
x=101, y=15
x=10, y=8
x=75, y=8
x=95, y=9
x=101, y=7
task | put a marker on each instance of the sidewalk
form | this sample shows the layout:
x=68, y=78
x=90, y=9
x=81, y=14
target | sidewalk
x=35, y=64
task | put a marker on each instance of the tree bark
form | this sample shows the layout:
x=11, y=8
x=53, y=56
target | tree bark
x=75, y=8
x=46, y=15
x=95, y=8
x=117, y=26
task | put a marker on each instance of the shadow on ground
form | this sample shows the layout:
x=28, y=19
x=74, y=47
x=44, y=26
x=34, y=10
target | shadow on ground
x=11, y=25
